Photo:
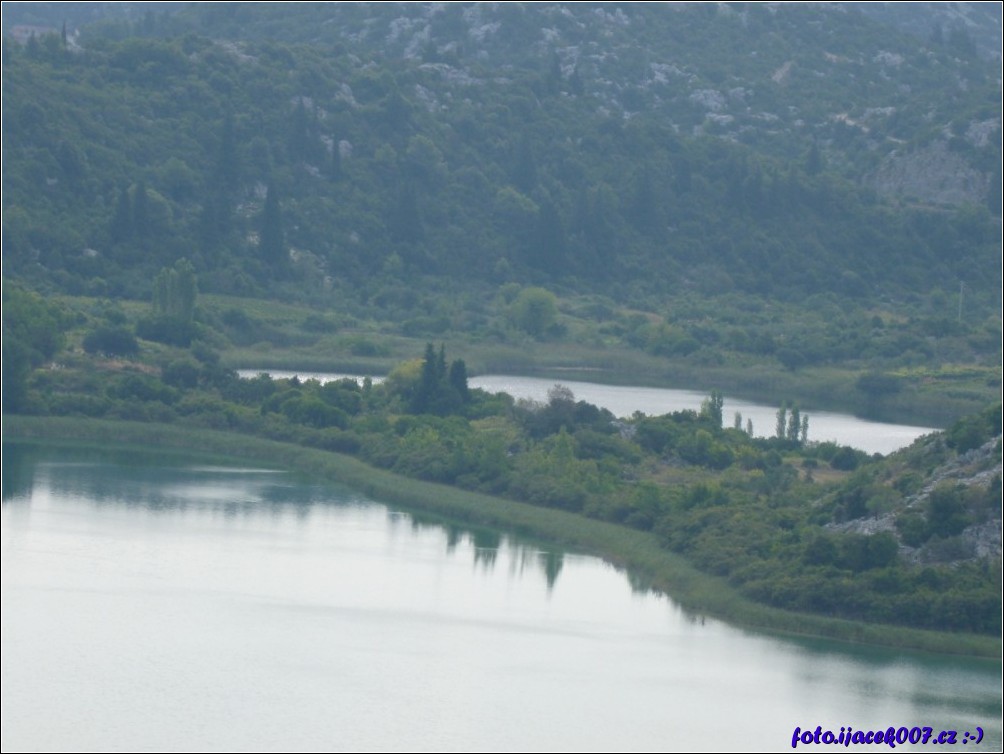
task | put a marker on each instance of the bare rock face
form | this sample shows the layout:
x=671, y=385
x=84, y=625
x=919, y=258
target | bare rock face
x=932, y=174
x=982, y=539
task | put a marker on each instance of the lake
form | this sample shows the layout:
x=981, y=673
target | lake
x=153, y=603
x=621, y=400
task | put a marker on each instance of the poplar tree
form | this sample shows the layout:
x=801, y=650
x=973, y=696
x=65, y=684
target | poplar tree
x=794, y=424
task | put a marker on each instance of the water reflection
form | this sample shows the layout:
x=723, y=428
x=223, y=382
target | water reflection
x=487, y=544
x=139, y=480
x=18, y=472
x=553, y=561
x=229, y=609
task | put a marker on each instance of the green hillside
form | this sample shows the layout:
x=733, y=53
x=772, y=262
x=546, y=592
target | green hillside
x=503, y=159
x=799, y=204
x=715, y=189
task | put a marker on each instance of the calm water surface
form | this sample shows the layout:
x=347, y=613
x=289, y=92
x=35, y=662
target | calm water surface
x=623, y=400
x=153, y=604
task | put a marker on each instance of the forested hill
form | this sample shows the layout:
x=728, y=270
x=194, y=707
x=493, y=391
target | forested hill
x=637, y=150
x=797, y=203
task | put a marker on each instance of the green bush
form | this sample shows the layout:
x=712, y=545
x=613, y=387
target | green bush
x=111, y=341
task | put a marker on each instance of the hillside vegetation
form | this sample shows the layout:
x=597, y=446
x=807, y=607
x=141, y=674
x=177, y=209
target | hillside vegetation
x=912, y=540
x=796, y=203
x=677, y=176
x=332, y=151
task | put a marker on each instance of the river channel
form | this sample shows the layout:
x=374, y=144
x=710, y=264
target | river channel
x=155, y=603
x=622, y=401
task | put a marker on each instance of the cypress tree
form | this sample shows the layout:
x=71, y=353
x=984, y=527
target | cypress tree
x=121, y=225
x=140, y=213
x=458, y=379
x=272, y=242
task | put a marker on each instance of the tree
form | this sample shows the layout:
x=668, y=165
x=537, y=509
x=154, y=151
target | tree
x=550, y=242
x=524, y=167
x=425, y=392
x=643, y=208
x=228, y=163
x=121, y=226
x=272, y=242
x=711, y=408
x=458, y=379
x=406, y=221
x=813, y=160
x=217, y=209
x=16, y=367
x=782, y=424
x=333, y=165
x=298, y=132
x=36, y=323
x=111, y=341
x=175, y=291
x=535, y=311
x=439, y=391
x=877, y=385
x=946, y=512
x=794, y=424
x=32, y=334
x=140, y=212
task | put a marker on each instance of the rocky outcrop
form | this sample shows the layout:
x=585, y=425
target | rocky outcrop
x=982, y=539
x=933, y=174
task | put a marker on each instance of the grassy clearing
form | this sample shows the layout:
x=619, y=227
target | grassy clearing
x=634, y=550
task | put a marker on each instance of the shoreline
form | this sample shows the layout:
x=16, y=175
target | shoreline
x=625, y=548
x=823, y=389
